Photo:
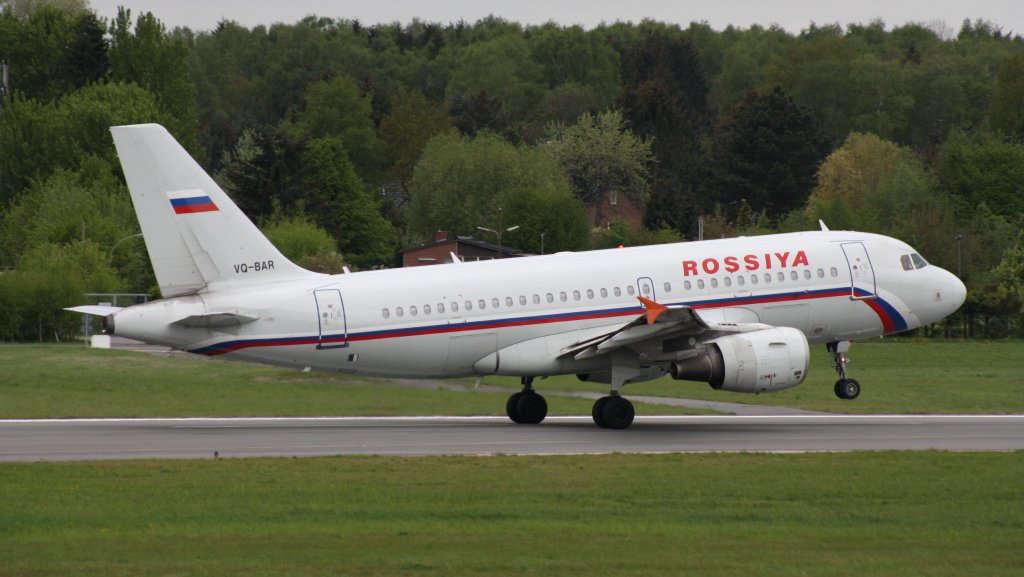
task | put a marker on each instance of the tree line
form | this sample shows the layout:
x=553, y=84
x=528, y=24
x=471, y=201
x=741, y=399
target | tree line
x=348, y=143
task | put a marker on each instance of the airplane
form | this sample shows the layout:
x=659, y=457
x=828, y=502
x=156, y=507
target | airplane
x=736, y=313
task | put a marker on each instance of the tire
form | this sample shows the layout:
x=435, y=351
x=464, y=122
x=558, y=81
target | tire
x=598, y=412
x=851, y=389
x=512, y=407
x=531, y=408
x=839, y=390
x=847, y=389
x=617, y=413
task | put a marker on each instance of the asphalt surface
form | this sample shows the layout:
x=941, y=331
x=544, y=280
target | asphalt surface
x=102, y=439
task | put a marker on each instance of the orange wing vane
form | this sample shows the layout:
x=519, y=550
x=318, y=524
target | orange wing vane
x=653, y=309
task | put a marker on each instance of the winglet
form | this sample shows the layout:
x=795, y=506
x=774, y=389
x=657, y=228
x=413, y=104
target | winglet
x=653, y=309
x=821, y=223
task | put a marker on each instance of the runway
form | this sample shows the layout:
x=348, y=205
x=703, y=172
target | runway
x=202, y=438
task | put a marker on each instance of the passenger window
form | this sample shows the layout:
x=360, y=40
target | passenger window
x=440, y=308
x=767, y=277
x=426, y=309
x=536, y=299
x=700, y=284
x=630, y=290
x=753, y=279
x=782, y=276
x=834, y=272
x=604, y=293
x=494, y=303
x=469, y=305
x=455, y=307
x=617, y=291
x=575, y=295
x=509, y=302
x=550, y=297
x=740, y=280
x=687, y=285
x=906, y=262
x=412, y=310
x=821, y=273
x=481, y=304
x=794, y=275
x=385, y=313
x=807, y=273
x=727, y=281
x=399, y=312
x=714, y=283
x=668, y=287
x=563, y=297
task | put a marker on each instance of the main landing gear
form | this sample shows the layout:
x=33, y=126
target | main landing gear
x=526, y=407
x=845, y=388
x=613, y=412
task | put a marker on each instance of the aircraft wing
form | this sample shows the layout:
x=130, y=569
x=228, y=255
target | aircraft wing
x=657, y=323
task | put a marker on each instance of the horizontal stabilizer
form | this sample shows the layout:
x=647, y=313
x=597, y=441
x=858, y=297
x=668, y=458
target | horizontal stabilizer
x=215, y=320
x=98, y=310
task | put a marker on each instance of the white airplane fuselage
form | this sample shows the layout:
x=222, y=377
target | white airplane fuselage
x=449, y=320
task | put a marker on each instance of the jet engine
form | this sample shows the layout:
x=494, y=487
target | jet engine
x=754, y=362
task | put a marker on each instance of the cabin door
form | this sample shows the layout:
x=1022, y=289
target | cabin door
x=862, y=274
x=330, y=316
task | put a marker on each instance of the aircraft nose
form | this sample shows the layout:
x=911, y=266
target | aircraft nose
x=951, y=293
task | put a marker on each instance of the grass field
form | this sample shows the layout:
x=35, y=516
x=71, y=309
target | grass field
x=71, y=381
x=854, y=514
x=857, y=514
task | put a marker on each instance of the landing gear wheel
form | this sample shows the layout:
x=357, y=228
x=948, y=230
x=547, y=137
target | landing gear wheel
x=531, y=408
x=847, y=389
x=598, y=412
x=614, y=411
x=526, y=408
x=512, y=407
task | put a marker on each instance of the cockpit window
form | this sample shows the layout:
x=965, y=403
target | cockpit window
x=918, y=261
x=906, y=262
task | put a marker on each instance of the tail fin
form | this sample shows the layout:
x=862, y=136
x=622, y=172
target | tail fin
x=196, y=236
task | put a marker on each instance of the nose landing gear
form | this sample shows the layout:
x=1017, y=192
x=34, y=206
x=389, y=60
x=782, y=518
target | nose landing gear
x=845, y=388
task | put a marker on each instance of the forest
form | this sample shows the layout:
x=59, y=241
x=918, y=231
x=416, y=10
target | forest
x=347, y=143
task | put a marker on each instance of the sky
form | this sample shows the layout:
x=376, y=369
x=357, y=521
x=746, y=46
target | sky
x=793, y=15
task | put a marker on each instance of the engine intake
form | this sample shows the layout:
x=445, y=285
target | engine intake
x=754, y=362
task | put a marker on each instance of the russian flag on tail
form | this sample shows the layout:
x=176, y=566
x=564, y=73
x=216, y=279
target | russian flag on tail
x=189, y=201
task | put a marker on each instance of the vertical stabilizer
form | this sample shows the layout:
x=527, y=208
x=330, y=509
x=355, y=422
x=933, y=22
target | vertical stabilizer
x=196, y=236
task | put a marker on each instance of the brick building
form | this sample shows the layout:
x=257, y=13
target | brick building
x=466, y=248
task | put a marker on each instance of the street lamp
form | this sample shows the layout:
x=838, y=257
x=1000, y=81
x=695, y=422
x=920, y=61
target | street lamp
x=498, y=232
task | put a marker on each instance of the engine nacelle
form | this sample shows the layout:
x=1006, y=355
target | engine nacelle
x=754, y=362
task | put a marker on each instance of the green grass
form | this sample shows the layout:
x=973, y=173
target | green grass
x=71, y=381
x=856, y=514
x=896, y=376
x=74, y=382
